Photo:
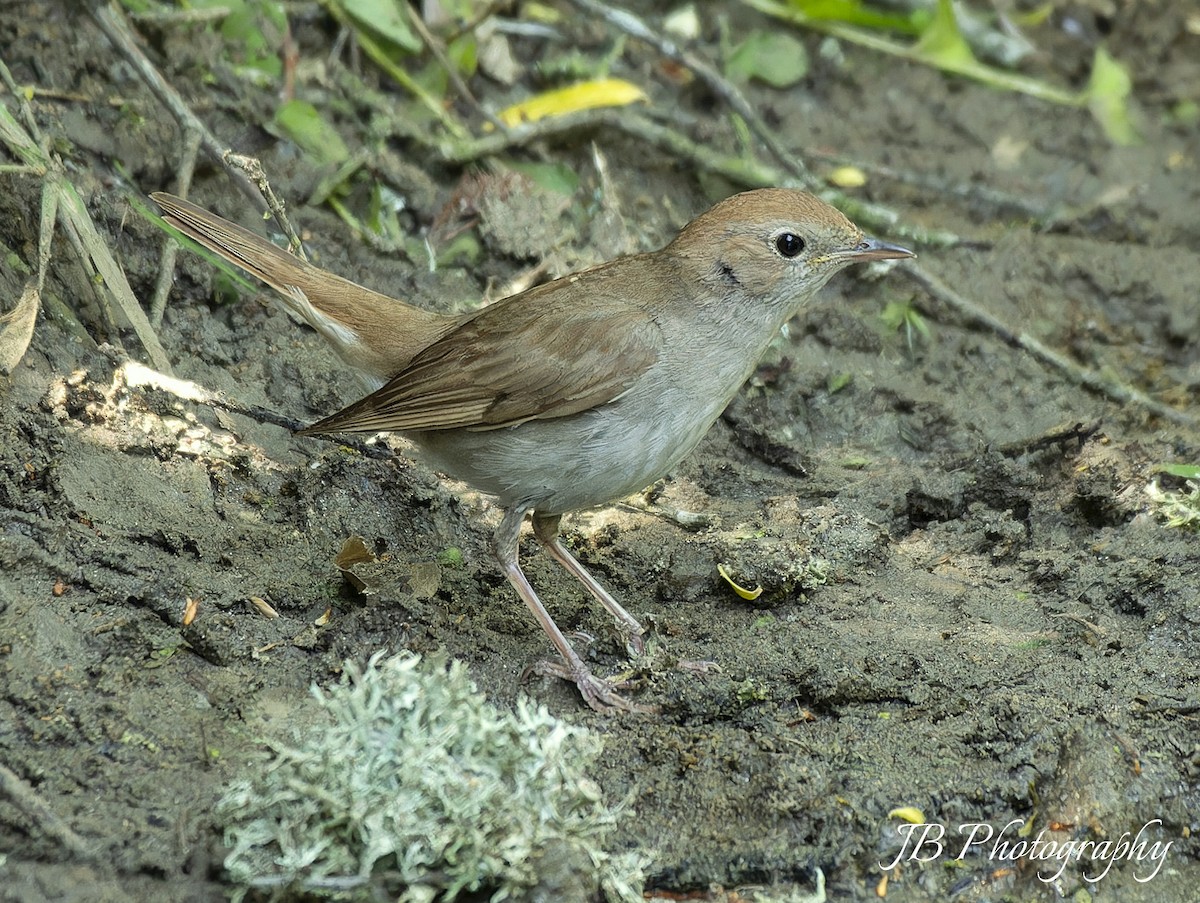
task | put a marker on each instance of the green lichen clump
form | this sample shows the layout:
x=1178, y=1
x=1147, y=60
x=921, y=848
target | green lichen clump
x=1179, y=508
x=420, y=790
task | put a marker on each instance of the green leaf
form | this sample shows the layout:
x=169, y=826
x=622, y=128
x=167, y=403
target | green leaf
x=1186, y=112
x=301, y=122
x=838, y=381
x=1186, y=471
x=942, y=43
x=853, y=12
x=1107, y=96
x=772, y=57
x=556, y=177
x=942, y=47
x=385, y=19
x=251, y=32
x=463, y=52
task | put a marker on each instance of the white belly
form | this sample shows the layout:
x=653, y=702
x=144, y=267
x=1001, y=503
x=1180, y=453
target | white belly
x=576, y=462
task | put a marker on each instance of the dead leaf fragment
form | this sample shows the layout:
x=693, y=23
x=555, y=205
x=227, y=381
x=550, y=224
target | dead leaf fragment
x=264, y=607
x=16, y=327
x=191, y=608
x=354, y=551
x=425, y=579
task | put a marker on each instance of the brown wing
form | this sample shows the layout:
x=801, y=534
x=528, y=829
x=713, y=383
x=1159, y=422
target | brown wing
x=514, y=362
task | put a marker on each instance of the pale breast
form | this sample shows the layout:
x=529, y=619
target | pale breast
x=581, y=461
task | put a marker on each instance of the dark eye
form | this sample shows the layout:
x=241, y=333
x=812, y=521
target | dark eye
x=789, y=244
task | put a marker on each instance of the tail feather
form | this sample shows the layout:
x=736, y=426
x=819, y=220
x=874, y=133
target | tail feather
x=241, y=247
x=372, y=332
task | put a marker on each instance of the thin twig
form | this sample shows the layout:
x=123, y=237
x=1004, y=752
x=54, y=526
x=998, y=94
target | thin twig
x=170, y=249
x=439, y=52
x=1110, y=388
x=1076, y=434
x=717, y=83
x=43, y=94
x=1003, y=203
x=112, y=22
x=480, y=15
x=26, y=111
x=741, y=170
x=791, y=161
x=378, y=53
x=253, y=169
x=26, y=800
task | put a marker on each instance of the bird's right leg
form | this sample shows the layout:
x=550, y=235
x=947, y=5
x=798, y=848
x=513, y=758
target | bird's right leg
x=597, y=692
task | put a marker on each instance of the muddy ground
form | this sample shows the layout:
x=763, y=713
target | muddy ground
x=970, y=607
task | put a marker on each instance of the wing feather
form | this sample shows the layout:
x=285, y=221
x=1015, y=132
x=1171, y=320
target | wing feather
x=512, y=362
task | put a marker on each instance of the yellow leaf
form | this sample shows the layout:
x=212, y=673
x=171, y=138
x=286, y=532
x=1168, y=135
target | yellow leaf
x=605, y=92
x=747, y=594
x=848, y=177
x=910, y=814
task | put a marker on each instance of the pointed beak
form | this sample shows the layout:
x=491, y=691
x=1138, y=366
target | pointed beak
x=874, y=249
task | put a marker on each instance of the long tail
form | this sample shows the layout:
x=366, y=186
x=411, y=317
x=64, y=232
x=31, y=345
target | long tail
x=370, y=331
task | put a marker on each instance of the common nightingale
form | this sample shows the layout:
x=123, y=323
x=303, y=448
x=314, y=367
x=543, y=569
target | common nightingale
x=579, y=391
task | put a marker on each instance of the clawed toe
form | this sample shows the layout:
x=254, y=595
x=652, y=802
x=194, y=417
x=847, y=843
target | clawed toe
x=634, y=644
x=598, y=692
